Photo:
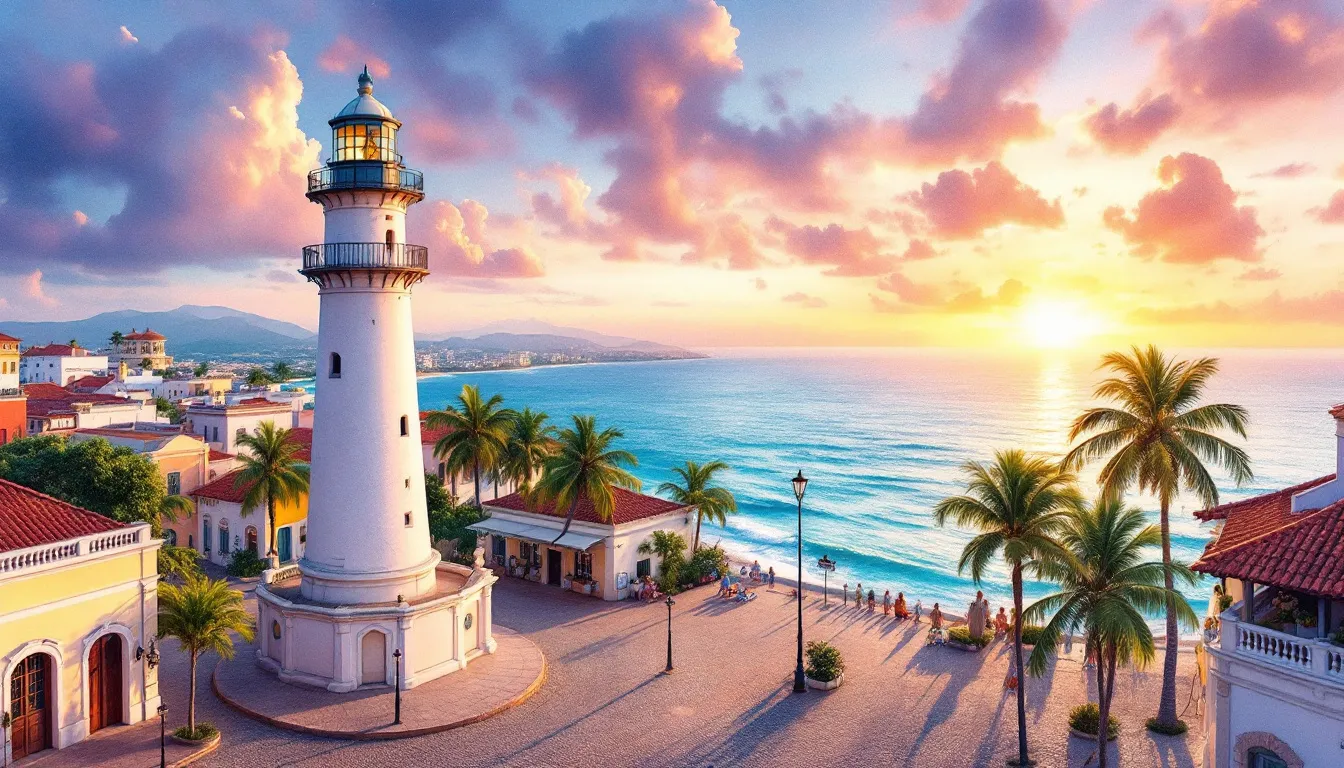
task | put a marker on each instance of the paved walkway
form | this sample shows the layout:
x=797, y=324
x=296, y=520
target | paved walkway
x=125, y=746
x=489, y=685
x=729, y=702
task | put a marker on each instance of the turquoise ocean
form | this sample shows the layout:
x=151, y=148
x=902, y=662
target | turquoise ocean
x=881, y=435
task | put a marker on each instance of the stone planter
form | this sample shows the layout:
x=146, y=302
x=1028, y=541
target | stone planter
x=210, y=743
x=825, y=686
x=1092, y=737
x=962, y=646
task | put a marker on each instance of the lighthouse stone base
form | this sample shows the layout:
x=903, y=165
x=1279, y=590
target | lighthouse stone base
x=345, y=647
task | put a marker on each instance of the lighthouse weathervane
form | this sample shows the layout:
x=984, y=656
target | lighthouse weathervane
x=369, y=581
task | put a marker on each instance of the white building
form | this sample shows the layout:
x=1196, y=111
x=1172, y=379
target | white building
x=221, y=424
x=1275, y=694
x=52, y=408
x=594, y=557
x=59, y=364
x=369, y=582
x=461, y=486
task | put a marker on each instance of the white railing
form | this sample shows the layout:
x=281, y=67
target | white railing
x=271, y=576
x=49, y=554
x=1276, y=647
x=1315, y=657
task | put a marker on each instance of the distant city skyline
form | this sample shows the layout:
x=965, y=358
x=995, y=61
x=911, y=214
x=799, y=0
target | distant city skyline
x=940, y=172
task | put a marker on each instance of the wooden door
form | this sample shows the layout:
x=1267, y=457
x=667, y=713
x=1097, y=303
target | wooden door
x=553, y=567
x=105, y=682
x=373, y=658
x=30, y=705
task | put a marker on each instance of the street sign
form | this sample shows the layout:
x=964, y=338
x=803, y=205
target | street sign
x=826, y=564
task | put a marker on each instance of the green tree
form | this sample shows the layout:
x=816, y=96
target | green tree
x=113, y=481
x=585, y=466
x=201, y=614
x=74, y=343
x=270, y=473
x=1157, y=438
x=1107, y=589
x=711, y=502
x=670, y=547
x=116, y=338
x=146, y=364
x=448, y=519
x=201, y=369
x=164, y=407
x=531, y=441
x=258, y=377
x=477, y=436
x=178, y=562
x=1016, y=504
x=282, y=371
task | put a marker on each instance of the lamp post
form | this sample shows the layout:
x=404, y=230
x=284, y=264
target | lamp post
x=396, y=706
x=163, y=736
x=799, y=488
x=669, y=602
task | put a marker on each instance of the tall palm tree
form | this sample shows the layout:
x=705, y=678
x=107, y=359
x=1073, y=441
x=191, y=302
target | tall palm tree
x=1016, y=503
x=200, y=614
x=282, y=371
x=1108, y=589
x=531, y=442
x=116, y=338
x=257, y=377
x=478, y=432
x=1157, y=438
x=270, y=473
x=585, y=466
x=712, y=502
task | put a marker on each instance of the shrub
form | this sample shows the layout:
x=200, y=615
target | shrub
x=1175, y=730
x=1085, y=717
x=1030, y=634
x=962, y=634
x=1338, y=637
x=824, y=663
x=705, y=562
x=203, y=732
x=245, y=564
x=1224, y=602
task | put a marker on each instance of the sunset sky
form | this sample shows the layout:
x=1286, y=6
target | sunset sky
x=932, y=172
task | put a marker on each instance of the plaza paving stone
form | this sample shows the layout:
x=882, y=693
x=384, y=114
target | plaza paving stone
x=729, y=702
x=122, y=746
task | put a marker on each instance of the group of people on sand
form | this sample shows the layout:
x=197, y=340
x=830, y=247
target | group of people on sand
x=896, y=607
x=749, y=577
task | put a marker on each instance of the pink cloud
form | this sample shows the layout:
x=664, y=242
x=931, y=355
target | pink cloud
x=1333, y=211
x=1324, y=308
x=344, y=55
x=956, y=298
x=1289, y=171
x=964, y=205
x=1130, y=131
x=805, y=301
x=848, y=252
x=918, y=250
x=460, y=245
x=1256, y=274
x=32, y=288
x=1192, y=218
x=937, y=11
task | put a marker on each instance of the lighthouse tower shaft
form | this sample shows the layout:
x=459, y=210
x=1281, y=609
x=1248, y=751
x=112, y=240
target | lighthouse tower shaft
x=368, y=530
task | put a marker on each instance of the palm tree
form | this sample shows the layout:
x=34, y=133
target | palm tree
x=258, y=377
x=478, y=432
x=1107, y=589
x=1157, y=439
x=531, y=441
x=1016, y=503
x=711, y=502
x=200, y=614
x=174, y=506
x=281, y=371
x=585, y=466
x=201, y=369
x=116, y=338
x=270, y=473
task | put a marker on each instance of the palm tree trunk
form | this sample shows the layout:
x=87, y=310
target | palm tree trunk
x=191, y=699
x=1166, y=710
x=699, y=516
x=569, y=518
x=1022, y=758
x=270, y=515
x=476, y=479
x=1103, y=705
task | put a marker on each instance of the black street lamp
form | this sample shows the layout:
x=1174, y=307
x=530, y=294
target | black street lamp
x=669, y=602
x=799, y=488
x=396, y=711
x=163, y=736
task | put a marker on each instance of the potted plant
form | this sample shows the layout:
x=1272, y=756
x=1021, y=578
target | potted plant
x=1306, y=625
x=1084, y=719
x=825, y=669
x=959, y=637
x=1285, y=612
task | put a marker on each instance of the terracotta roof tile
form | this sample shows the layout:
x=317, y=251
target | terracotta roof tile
x=29, y=519
x=223, y=489
x=91, y=382
x=56, y=350
x=222, y=456
x=7, y=337
x=630, y=506
x=145, y=335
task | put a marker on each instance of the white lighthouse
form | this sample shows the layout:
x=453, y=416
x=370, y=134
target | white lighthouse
x=369, y=582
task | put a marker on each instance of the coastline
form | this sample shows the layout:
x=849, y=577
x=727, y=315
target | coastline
x=514, y=369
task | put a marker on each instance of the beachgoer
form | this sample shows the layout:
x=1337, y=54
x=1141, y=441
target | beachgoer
x=772, y=577
x=919, y=610
x=900, y=610
x=1001, y=622
x=755, y=570
x=936, y=617
x=886, y=603
x=725, y=586
x=844, y=594
x=975, y=615
x=872, y=601
x=858, y=595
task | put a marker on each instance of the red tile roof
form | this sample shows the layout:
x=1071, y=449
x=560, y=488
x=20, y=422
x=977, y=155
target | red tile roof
x=630, y=506
x=222, y=456
x=1264, y=541
x=91, y=383
x=223, y=489
x=7, y=337
x=44, y=399
x=56, y=350
x=145, y=335
x=304, y=437
x=29, y=519
x=430, y=436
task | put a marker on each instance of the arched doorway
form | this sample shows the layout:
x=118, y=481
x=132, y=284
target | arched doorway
x=373, y=658
x=252, y=539
x=30, y=704
x=105, y=682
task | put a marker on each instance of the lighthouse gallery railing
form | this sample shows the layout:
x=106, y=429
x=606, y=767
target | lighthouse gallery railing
x=365, y=255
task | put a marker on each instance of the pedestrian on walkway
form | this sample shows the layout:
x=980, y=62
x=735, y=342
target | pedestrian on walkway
x=772, y=577
x=844, y=594
x=858, y=595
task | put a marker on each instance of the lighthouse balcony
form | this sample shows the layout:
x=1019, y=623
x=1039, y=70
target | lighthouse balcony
x=400, y=257
x=360, y=175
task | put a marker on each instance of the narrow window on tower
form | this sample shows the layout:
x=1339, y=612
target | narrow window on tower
x=405, y=427
x=391, y=237
x=408, y=519
x=335, y=365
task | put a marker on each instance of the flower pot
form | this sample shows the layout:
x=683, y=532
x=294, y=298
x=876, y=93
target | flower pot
x=828, y=685
x=1092, y=737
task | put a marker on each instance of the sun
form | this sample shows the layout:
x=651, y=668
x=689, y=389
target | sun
x=1057, y=323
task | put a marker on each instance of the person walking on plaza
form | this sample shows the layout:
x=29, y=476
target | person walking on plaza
x=872, y=601
x=919, y=610
x=772, y=577
x=936, y=617
x=975, y=615
x=858, y=595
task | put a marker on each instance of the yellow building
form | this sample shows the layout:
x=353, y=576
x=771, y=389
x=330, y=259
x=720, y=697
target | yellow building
x=145, y=349
x=78, y=614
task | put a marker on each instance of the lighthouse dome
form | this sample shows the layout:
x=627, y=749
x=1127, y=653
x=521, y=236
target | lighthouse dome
x=364, y=104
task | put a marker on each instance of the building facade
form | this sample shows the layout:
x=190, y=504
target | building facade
x=52, y=408
x=13, y=403
x=222, y=528
x=142, y=349
x=596, y=558
x=78, y=613
x=369, y=584
x=59, y=364
x=221, y=424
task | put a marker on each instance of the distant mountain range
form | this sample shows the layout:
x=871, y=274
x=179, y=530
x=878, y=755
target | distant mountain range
x=213, y=332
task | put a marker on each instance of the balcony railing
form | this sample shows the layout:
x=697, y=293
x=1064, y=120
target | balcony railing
x=61, y=552
x=366, y=176
x=365, y=256
x=1315, y=657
